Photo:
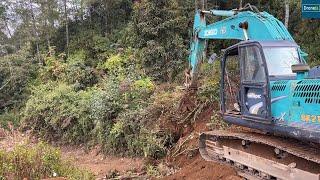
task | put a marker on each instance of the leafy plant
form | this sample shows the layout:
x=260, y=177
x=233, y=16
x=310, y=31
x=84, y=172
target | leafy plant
x=37, y=162
x=16, y=71
x=56, y=110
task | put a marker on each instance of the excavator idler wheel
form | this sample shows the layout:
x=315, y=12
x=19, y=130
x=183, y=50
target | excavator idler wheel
x=245, y=143
x=280, y=154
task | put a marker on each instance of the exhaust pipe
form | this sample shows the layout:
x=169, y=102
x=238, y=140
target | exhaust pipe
x=302, y=70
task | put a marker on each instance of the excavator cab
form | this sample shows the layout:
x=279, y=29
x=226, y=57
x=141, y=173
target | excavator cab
x=247, y=69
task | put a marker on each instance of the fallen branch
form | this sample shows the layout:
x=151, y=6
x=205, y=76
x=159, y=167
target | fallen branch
x=186, y=150
x=189, y=115
x=182, y=143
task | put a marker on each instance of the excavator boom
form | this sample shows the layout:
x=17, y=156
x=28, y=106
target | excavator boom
x=238, y=25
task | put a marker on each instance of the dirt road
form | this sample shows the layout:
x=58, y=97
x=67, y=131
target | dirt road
x=101, y=165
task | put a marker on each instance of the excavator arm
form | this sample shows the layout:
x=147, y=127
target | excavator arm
x=238, y=25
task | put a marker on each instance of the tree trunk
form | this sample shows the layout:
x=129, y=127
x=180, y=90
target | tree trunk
x=47, y=25
x=66, y=24
x=287, y=13
x=47, y=35
x=35, y=32
x=81, y=10
x=107, y=17
x=7, y=27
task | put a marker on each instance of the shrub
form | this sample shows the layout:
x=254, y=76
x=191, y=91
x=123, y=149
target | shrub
x=130, y=136
x=210, y=88
x=16, y=71
x=7, y=118
x=73, y=71
x=53, y=69
x=217, y=122
x=56, y=110
x=37, y=162
x=142, y=88
x=114, y=64
x=122, y=65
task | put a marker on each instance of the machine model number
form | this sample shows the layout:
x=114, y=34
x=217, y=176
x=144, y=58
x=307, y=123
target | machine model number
x=310, y=118
x=211, y=32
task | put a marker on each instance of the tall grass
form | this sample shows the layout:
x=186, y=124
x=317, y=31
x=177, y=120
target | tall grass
x=37, y=162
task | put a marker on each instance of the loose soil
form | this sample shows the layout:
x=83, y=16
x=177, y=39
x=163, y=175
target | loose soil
x=185, y=157
x=197, y=168
x=101, y=165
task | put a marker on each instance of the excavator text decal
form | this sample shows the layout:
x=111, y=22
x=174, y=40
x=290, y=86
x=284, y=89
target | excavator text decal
x=310, y=118
x=211, y=32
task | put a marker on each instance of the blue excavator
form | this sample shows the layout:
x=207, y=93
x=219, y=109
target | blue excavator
x=267, y=90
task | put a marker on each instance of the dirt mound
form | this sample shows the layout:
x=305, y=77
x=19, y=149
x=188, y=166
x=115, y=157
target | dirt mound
x=185, y=157
x=197, y=168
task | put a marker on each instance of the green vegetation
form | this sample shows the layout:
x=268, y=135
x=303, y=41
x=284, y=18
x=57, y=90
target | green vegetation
x=104, y=71
x=37, y=162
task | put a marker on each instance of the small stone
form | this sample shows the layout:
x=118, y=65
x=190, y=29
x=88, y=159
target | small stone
x=293, y=165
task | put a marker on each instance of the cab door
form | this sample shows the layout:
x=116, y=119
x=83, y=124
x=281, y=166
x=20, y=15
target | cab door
x=254, y=84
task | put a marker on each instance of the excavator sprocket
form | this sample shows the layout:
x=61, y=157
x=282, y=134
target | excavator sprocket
x=260, y=156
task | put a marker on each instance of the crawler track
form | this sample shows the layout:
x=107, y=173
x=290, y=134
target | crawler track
x=259, y=156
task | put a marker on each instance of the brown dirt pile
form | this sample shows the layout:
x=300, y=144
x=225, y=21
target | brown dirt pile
x=185, y=157
x=197, y=168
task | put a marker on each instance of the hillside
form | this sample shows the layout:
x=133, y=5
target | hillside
x=99, y=85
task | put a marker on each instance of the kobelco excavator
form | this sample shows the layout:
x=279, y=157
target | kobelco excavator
x=266, y=87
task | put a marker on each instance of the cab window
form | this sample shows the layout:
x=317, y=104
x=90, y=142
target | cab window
x=253, y=70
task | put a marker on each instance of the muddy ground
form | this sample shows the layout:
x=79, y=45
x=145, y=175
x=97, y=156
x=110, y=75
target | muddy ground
x=186, y=165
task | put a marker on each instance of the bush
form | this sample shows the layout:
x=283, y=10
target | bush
x=114, y=64
x=122, y=65
x=56, y=110
x=210, y=84
x=8, y=118
x=73, y=71
x=130, y=136
x=139, y=131
x=16, y=71
x=37, y=162
x=112, y=113
x=217, y=122
x=142, y=88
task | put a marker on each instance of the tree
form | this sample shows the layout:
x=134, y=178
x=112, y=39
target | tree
x=49, y=15
x=66, y=24
x=35, y=30
x=161, y=31
x=287, y=12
